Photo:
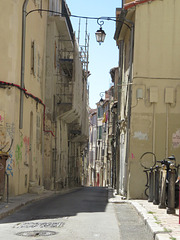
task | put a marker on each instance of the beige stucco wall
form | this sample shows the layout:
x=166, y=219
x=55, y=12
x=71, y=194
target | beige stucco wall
x=157, y=40
x=18, y=165
x=155, y=127
x=155, y=116
x=155, y=119
x=67, y=109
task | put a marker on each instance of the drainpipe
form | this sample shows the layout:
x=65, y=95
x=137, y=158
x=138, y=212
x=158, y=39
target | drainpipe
x=129, y=103
x=22, y=61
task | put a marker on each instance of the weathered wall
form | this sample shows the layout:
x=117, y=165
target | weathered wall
x=19, y=167
x=67, y=109
x=155, y=124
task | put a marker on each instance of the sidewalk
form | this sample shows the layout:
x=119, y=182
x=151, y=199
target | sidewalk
x=163, y=226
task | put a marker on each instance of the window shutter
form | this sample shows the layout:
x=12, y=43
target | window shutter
x=39, y=67
x=38, y=128
x=33, y=58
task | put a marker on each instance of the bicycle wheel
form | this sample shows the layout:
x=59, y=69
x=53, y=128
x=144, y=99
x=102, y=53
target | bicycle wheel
x=148, y=160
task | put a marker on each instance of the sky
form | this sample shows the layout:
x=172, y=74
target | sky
x=101, y=57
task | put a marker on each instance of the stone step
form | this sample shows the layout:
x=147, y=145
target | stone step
x=36, y=189
x=32, y=184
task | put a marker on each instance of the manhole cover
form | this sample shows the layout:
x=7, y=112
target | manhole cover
x=36, y=233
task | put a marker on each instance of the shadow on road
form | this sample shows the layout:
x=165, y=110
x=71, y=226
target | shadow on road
x=84, y=200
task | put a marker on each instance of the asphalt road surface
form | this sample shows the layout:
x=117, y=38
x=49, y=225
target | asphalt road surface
x=84, y=214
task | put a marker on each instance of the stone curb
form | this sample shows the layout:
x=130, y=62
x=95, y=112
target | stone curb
x=157, y=231
x=151, y=223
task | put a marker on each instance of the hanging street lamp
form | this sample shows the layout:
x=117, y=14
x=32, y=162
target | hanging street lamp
x=100, y=35
x=101, y=101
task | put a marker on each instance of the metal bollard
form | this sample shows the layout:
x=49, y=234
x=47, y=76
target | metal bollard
x=162, y=199
x=151, y=183
x=171, y=190
x=156, y=188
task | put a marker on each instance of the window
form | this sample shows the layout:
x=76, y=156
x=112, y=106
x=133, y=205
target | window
x=38, y=129
x=38, y=4
x=100, y=132
x=40, y=7
x=39, y=68
x=55, y=55
x=100, y=112
x=33, y=58
x=35, y=61
x=55, y=5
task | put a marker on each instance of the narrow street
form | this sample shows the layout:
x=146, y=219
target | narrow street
x=82, y=214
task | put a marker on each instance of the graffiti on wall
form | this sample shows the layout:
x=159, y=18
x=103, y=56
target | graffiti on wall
x=2, y=138
x=18, y=151
x=176, y=139
x=1, y=118
x=6, y=142
x=10, y=164
x=2, y=131
x=141, y=136
x=6, y=137
x=24, y=144
x=10, y=128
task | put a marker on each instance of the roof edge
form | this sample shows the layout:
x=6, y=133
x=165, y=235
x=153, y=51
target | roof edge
x=135, y=3
x=120, y=22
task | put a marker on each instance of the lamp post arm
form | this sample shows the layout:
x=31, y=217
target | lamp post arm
x=45, y=10
x=100, y=20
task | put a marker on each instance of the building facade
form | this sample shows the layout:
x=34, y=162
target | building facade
x=22, y=87
x=66, y=81
x=147, y=37
x=43, y=107
x=92, y=146
x=100, y=142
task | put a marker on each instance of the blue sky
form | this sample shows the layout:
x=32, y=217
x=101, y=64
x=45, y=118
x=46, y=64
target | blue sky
x=101, y=58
